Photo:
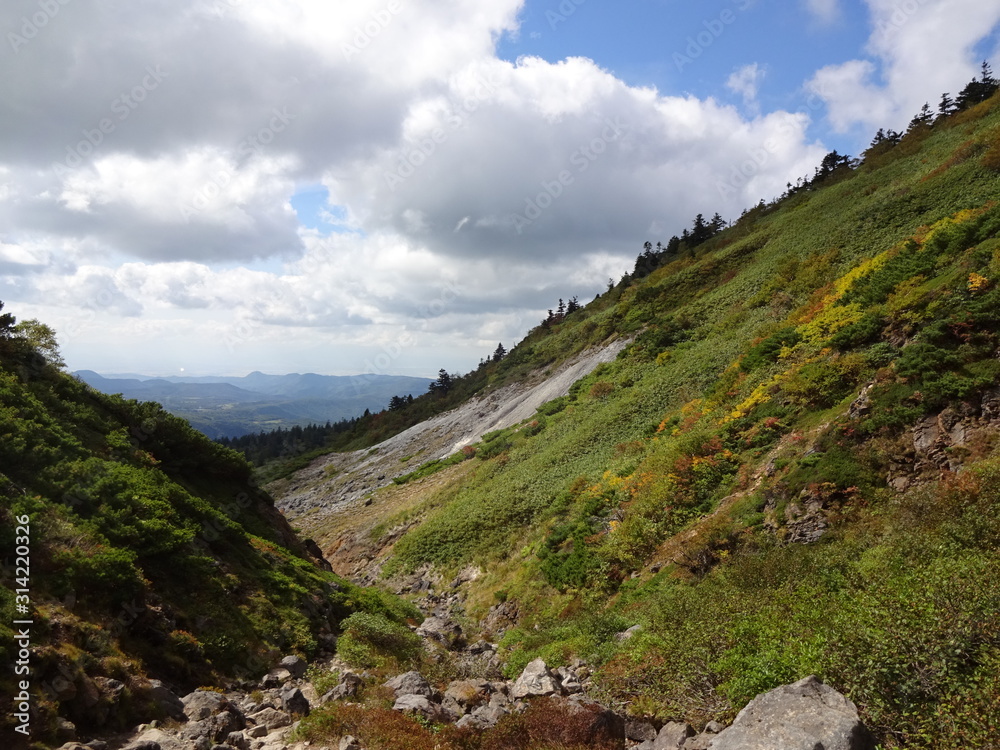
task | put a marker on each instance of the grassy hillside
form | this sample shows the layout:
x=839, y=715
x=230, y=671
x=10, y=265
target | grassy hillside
x=746, y=481
x=152, y=553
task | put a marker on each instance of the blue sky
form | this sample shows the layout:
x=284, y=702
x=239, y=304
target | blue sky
x=397, y=185
x=649, y=43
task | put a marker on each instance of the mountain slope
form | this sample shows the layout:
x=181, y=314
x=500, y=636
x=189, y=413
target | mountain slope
x=152, y=553
x=790, y=471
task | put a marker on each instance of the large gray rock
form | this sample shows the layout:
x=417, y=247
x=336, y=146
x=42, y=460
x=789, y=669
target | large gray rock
x=348, y=687
x=672, y=736
x=410, y=683
x=419, y=704
x=293, y=701
x=271, y=718
x=639, y=730
x=806, y=715
x=440, y=629
x=468, y=693
x=536, y=680
x=166, y=699
x=203, y=703
x=295, y=665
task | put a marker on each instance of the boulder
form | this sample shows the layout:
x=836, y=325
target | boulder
x=203, y=703
x=627, y=634
x=159, y=738
x=672, y=736
x=536, y=680
x=143, y=745
x=348, y=687
x=275, y=678
x=483, y=717
x=410, y=683
x=271, y=718
x=295, y=665
x=639, y=730
x=293, y=701
x=166, y=699
x=440, y=629
x=348, y=742
x=419, y=704
x=468, y=693
x=802, y=716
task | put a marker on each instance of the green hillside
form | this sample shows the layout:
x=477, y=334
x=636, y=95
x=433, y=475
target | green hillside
x=152, y=552
x=791, y=469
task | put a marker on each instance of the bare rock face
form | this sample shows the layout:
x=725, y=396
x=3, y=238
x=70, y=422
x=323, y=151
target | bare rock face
x=805, y=715
x=536, y=680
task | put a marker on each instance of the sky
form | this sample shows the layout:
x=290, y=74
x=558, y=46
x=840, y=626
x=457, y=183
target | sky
x=396, y=186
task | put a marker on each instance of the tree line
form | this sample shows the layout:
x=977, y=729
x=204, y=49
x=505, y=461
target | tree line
x=832, y=166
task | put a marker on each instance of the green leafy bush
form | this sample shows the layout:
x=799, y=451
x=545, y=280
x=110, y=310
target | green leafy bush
x=372, y=640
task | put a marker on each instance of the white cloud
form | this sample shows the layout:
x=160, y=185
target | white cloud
x=476, y=191
x=745, y=81
x=824, y=12
x=919, y=47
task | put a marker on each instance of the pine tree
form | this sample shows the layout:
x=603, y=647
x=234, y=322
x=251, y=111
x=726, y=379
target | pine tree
x=947, y=106
x=700, y=231
x=500, y=352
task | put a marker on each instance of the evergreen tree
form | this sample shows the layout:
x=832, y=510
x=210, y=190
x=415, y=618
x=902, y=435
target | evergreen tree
x=573, y=305
x=946, y=106
x=500, y=352
x=700, y=231
x=922, y=119
x=7, y=322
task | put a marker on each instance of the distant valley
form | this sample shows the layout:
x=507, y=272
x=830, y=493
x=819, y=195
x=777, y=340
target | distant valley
x=234, y=406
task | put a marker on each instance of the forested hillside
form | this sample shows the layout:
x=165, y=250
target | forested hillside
x=148, y=551
x=791, y=469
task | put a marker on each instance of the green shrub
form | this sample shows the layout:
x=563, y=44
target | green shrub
x=371, y=640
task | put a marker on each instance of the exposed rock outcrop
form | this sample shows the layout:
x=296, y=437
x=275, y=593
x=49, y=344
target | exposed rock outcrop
x=803, y=716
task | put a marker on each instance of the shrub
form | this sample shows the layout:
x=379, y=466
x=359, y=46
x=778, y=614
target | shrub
x=371, y=640
x=768, y=350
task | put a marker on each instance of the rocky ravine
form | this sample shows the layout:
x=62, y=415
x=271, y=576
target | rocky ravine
x=340, y=485
x=801, y=716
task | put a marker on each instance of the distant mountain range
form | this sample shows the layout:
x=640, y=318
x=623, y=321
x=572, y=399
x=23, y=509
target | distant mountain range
x=234, y=406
